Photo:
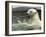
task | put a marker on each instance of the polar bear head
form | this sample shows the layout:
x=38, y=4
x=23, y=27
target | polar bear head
x=32, y=12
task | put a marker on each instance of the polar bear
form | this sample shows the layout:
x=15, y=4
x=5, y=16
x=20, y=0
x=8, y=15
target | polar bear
x=34, y=20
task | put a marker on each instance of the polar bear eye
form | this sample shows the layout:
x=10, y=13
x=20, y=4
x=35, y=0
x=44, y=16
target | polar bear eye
x=30, y=11
x=35, y=12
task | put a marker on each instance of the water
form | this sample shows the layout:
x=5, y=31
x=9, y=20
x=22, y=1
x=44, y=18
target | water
x=19, y=26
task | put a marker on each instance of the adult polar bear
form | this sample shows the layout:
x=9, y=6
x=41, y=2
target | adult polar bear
x=34, y=20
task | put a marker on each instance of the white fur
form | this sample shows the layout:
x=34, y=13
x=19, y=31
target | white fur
x=35, y=19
